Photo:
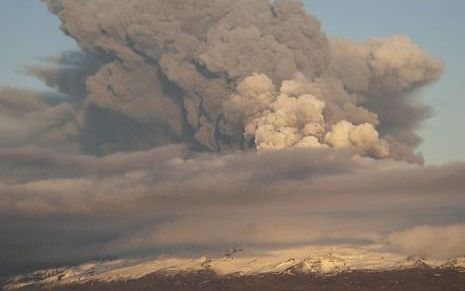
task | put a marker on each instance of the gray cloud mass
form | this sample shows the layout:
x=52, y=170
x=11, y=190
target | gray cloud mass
x=170, y=68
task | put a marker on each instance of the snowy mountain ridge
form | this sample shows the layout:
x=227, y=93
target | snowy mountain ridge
x=311, y=260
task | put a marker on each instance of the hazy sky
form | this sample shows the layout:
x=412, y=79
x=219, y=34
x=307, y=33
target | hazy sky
x=437, y=26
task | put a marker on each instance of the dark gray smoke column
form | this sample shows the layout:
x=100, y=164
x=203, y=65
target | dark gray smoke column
x=169, y=68
x=174, y=62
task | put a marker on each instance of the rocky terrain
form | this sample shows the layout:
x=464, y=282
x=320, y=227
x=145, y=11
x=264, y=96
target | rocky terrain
x=412, y=280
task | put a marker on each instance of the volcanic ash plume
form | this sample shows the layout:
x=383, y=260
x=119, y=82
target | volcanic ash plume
x=121, y=159
x=207, y=73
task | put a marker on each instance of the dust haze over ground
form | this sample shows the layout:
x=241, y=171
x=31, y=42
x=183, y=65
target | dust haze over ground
x=196, y=125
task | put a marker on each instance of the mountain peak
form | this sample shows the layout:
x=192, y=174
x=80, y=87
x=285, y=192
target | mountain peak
x=321, y=261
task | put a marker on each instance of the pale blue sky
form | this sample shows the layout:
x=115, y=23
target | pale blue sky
x=28, y=31
x=438, y=27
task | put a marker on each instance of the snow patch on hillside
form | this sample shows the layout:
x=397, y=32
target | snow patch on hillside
x=314, y=259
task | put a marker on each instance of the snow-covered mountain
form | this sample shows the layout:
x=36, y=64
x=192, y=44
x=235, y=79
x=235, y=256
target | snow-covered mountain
x=315, y=260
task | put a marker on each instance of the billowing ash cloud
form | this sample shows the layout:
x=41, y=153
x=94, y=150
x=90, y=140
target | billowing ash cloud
x=294, y=117
x=185, y=71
